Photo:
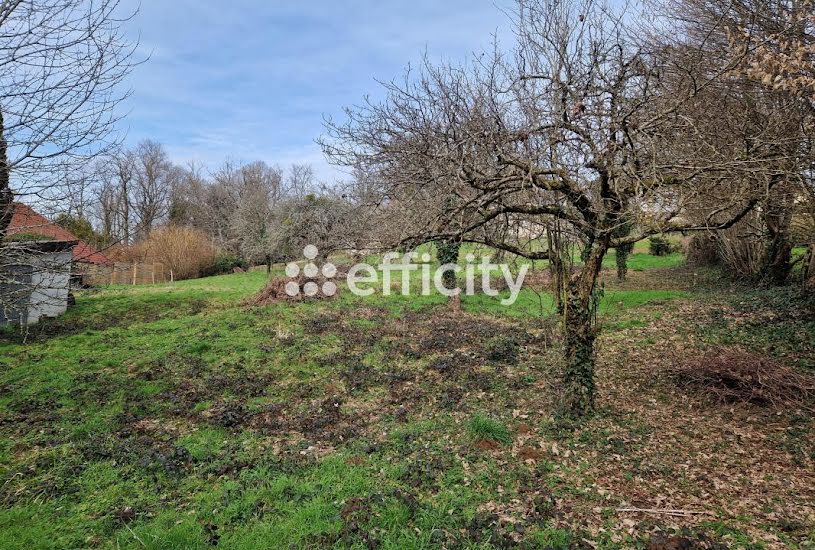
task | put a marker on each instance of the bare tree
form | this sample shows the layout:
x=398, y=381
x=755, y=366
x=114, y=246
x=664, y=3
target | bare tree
x=300, y=180
x=154, y=178
x=778, y=38
x=61, y=66
x=582, y=123
x=107, y=201
x=115, y=176
x=187, y=194
x=259, y=192
x=321, y=218
x=215, y=205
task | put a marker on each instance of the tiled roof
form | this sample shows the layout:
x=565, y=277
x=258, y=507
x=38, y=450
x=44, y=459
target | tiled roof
x=26, y=220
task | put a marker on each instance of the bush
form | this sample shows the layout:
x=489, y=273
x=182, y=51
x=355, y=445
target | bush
x=188, y=252
x=802, y=229
x=80, y=228
x=660, y=246
x=740, y=253
x=223, y=264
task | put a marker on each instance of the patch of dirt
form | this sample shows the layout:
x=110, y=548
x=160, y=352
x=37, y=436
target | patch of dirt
x=173, y=459
x=360, y=377
x=531, y=453
x=227, y=414
x=451, y=397
x=502, y=349
x=326, y=414
x=499, y=532
x=454, y=364
x=153, y=451
x=322, y=323
x=32, y=413
x=418, y=334
x=685, y=541
x=486, y=445
x=191, y=381
x=270, y=419
x=424, y=472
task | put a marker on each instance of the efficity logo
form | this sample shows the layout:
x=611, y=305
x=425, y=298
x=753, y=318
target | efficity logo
x=311, y=271
x=403, y=271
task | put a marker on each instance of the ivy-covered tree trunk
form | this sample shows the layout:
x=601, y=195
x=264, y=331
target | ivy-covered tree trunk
x=809, y=268
x=6, y=196
x=587, y=246
x=622, y=260
x=580, y=332
x=448, y=254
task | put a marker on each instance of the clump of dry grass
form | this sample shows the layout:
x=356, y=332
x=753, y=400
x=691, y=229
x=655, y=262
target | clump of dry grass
x=735, y=376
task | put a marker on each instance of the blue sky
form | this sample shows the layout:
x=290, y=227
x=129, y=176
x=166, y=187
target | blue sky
x=251, y=80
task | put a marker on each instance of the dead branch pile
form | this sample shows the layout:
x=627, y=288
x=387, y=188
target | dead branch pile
x=275, y=291
x=734, y=376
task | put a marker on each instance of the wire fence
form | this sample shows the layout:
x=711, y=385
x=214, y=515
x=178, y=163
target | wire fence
x=122, y=273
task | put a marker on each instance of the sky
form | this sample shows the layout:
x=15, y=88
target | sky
x=252, y=80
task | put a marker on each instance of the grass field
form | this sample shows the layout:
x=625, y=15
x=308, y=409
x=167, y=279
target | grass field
x=172, y=416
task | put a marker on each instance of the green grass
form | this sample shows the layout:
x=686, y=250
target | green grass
x=171, y=416
x=481, y=427
x=556, y=539
x=541, y=304
x=641, y=261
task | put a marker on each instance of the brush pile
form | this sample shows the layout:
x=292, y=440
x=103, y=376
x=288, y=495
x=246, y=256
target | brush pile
x=735, y=376
x=286, y=289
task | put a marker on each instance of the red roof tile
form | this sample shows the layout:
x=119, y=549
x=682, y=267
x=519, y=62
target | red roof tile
x=26, y=220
